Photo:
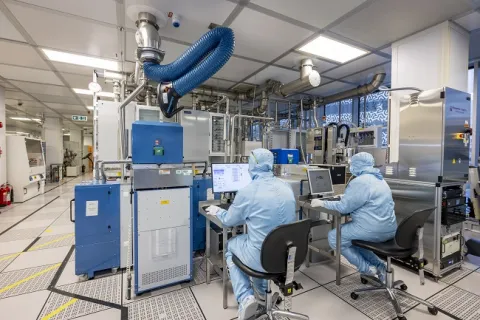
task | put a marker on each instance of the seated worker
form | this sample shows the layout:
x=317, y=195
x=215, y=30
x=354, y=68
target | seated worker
x=264, y=204
x=368, y=199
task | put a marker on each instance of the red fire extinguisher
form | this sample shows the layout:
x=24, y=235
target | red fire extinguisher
x=5, y=195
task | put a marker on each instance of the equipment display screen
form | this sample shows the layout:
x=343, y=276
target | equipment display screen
x=230, y=177
x=320, y=181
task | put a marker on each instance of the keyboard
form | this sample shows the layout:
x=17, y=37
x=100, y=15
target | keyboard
x=224, y=206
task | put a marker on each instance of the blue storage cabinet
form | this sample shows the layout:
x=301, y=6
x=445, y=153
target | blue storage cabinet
x=199, y=193
x=97, y=227
x=285, y=156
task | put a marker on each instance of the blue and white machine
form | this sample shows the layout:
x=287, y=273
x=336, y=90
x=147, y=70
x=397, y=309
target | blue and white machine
x=162, y=212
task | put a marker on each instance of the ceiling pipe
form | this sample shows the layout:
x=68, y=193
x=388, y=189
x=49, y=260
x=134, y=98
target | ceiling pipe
x=309, y=79
x=360, y=91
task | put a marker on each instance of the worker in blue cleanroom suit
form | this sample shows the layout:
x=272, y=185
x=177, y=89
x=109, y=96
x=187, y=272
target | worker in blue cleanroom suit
x=368, y=199
x=264, y=204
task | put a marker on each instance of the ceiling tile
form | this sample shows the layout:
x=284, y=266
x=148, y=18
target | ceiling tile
x=195, y=16
x=6, y=85
x=470, y=22
x=55, y=99
x=62, y=32
x=395, y=19
x=30, y=87
x=388, y=50
x=104, y=10
x=68, y=108
x=330, y=88
x=21, y=55
x=25, y=104
x=318, y=13
x=263, y=37
x=28, y=74
x=217, y=83
x=237, y=69
x=7, y=30
x=275, y=73
x=71, y=68
x=356, y=65
x=17, y=95
x=366, y=76
x=81, y=81
x=292, y=60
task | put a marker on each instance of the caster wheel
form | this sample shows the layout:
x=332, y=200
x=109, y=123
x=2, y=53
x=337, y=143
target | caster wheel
x=403, y=287
x=402, y=318
x=354, y=296
x=114, y=270
x=433, y=311
x=364, y=281
x=279, y=300
x=83, y=277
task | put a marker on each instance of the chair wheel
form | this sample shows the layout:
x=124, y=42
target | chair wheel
x=279, y=300
x=354, y=296
x=402, y=318
x=433, y=311
x=364, y=281
x=403, y=287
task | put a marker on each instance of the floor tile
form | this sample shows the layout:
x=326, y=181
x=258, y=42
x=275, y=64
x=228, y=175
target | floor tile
x=50, y=231
x=146, y=294
x=421, y=313
x=21, y=234
x=11, y=220
x=470, y=283
x=110, y=314
x=33, y=224
x=68, y=275
x=14, y=246
x=16, y=307
x=412, y=280
x=73, y=308
x=319, y=303
x=38, y=258
x=210, y=299
x=455, y=275
x=458, y=302
x=325, y=272
x=108, y=288
x=56, y=241
x=299, y=277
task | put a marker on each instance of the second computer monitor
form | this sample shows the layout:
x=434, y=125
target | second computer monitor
x=320, y=181
x=230, y=177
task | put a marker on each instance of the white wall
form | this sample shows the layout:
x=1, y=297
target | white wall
x=53, y=137
x=88, y=140
x=3, y=141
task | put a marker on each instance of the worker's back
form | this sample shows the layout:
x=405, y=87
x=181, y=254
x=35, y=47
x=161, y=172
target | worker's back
x=272, y=203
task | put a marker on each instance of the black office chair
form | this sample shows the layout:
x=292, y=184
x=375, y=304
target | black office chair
x=408, y=240
x=283, y=252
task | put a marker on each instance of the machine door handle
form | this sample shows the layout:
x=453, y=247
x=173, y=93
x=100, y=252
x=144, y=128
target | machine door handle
x=71, y=213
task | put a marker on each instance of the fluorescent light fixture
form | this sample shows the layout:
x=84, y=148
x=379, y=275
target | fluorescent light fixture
x=90, y=93
x=332, y=49
x=90, y=107
x=22, y=133
x=37, y=120
x=81, y=60
x=20, y=118
x=66, y=134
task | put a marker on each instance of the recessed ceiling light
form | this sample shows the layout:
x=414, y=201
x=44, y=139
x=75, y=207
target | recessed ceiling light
x=90, y=93
x=90, y=107
x=81, y=60
x=66, y=134
x=21, y=118
x=332, y=49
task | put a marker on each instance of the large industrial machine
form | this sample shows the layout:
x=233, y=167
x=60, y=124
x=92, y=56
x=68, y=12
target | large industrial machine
x=432, y=170
x=26, y=167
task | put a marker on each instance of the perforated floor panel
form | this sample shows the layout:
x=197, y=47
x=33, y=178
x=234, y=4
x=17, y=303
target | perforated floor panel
x=73, y=310
x=44, y=215
x=348, y=264
x=458, y=302
x=376, y=305
x=177, y=305
x=108, y=288
x=21, y=234
x=56, y=241
x=5, y=260
x=199, y=272
x=17, y=282
x=456, y=275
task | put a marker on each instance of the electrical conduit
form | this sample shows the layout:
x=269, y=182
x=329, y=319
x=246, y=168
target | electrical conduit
x=197, y=64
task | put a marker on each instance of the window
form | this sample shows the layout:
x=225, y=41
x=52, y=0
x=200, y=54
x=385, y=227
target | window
x=332, y=111
x=376, y=110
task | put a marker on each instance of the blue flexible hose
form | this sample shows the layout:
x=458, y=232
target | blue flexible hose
x=197, y=64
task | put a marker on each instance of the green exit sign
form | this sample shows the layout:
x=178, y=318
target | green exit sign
x=79, y=118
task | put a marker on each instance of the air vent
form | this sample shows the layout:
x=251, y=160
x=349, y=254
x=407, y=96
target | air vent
x=163, y=275
x=389, y=170
x=412, y=172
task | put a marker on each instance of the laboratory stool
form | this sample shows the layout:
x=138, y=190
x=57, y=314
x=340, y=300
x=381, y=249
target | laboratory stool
x=283, y=252
x=408, y=240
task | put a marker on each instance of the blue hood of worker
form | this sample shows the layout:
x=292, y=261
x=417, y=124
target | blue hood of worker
x=260, y=163
x=362, y=163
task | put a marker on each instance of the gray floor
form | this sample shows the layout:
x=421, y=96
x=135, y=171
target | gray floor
x=37, y=280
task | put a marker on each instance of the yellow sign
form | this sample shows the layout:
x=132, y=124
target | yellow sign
x=458, y=136
x=453, y=161
x=165, y=202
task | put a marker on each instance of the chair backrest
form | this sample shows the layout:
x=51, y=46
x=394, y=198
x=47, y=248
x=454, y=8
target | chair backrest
x=407, y=229
x=276, y=244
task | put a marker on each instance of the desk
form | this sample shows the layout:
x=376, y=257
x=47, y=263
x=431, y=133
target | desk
x=218, y=223
x=337, y=218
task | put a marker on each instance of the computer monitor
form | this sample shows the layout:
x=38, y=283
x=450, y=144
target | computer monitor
x=320, y=181
x=230, y=177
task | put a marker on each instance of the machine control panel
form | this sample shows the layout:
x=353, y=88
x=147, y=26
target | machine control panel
x=453, y=206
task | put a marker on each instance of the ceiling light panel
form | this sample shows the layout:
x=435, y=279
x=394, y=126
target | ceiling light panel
x=263, y=37
x=332, y=49
x=7, y=30
x=318, y=13
x=81, y=60
x=293, y=60
x=66, y=33
x=20, y=118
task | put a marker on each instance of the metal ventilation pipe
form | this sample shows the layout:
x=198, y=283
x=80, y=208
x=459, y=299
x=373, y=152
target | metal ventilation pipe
x=309, y=79
x=262, y=109
x=360, y=91
x=148, y=39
